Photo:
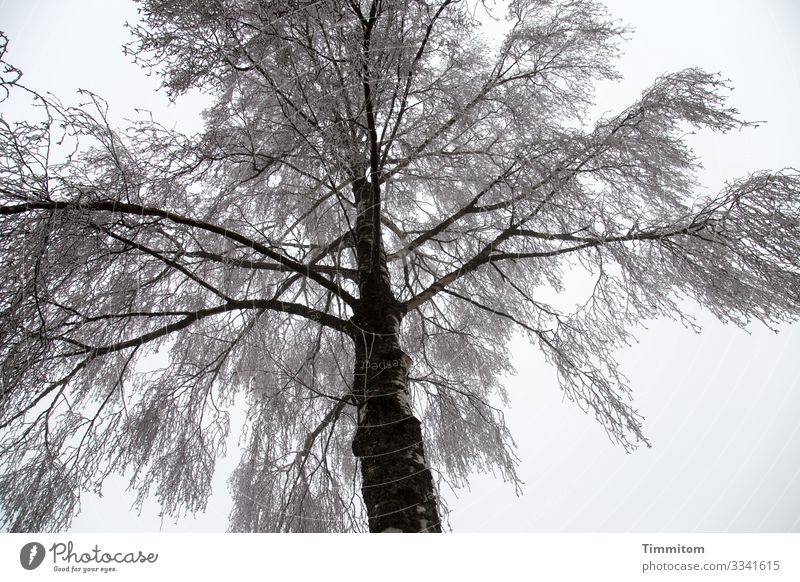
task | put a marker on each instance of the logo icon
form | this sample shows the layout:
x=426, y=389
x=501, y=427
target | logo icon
x=31, y=555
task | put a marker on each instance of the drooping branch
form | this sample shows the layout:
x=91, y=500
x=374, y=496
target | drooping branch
x=709, y=226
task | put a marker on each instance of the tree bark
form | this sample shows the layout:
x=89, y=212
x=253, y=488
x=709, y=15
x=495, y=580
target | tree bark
x=397, y=485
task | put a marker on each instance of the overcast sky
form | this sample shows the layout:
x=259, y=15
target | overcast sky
x=721, y=407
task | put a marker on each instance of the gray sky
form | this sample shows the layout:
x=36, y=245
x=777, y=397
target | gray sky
x=721, y=408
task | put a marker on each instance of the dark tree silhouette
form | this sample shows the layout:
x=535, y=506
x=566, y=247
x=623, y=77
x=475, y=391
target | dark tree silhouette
x=378, y=197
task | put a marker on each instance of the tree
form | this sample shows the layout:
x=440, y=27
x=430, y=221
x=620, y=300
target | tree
x=377, y=198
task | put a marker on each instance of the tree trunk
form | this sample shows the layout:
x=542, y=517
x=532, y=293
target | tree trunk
x=397, y=485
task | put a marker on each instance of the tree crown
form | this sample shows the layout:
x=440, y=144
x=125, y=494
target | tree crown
x=467, y=167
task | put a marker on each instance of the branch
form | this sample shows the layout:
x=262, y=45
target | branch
x=263, y=265
x=491, y=310
x=469, y=208
x=135, y=209
x=282, y=306
x=487, y=254
x=175, y=265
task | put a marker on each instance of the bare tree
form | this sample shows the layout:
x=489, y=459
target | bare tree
x=377, y=200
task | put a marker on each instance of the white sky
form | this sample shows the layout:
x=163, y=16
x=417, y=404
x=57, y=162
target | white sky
x=721, y=408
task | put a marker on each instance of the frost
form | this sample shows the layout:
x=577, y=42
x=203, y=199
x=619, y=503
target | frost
x=245, y=260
